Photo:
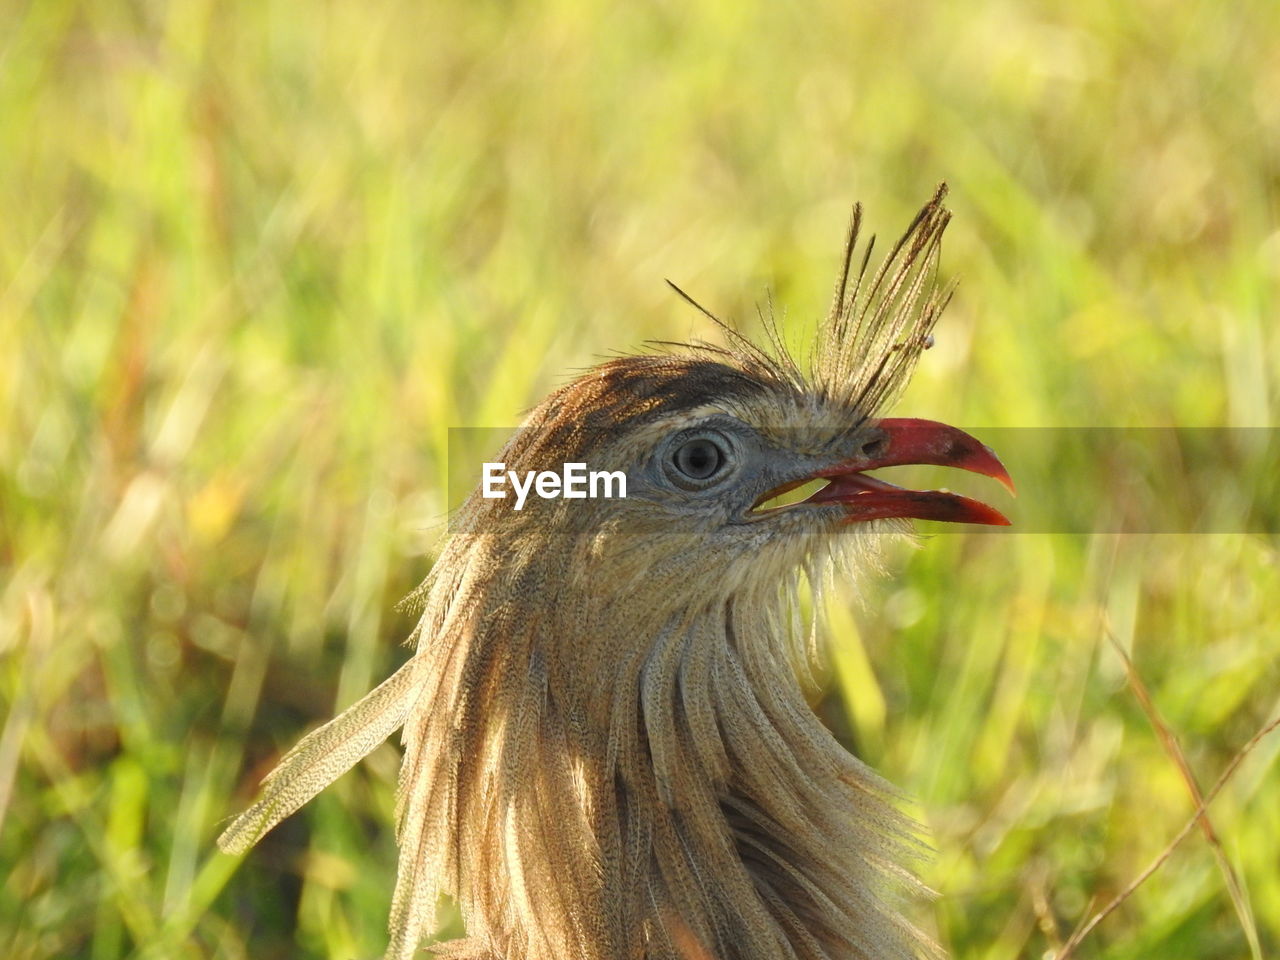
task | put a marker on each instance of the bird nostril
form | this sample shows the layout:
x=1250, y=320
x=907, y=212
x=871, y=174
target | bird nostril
x=875, y=448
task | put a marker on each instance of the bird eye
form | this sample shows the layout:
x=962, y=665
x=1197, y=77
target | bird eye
x=699, y=459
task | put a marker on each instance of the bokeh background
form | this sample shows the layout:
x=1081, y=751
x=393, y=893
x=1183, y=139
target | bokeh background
x=257, y=257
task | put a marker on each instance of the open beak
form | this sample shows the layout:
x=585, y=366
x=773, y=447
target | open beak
x=905, y=441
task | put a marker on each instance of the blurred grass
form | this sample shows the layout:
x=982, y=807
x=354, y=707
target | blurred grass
x=256, y=258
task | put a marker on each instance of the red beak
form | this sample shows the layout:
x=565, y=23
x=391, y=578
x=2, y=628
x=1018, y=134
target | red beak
x=913, y=441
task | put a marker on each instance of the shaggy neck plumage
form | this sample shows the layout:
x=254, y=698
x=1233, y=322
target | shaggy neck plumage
x=668, y=795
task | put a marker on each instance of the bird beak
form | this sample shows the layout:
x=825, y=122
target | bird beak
x=905, y=441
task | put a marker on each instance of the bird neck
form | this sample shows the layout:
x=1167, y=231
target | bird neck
x=601, y=774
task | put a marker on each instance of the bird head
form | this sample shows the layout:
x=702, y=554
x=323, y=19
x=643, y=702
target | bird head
x=711, y=439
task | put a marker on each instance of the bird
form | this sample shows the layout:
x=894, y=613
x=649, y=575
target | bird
x=607, y=752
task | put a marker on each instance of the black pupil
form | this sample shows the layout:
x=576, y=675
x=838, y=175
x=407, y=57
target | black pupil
x=699, y=459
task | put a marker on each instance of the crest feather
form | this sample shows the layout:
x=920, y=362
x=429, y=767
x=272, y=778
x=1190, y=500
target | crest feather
x=875, y=330
x=879, y=324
